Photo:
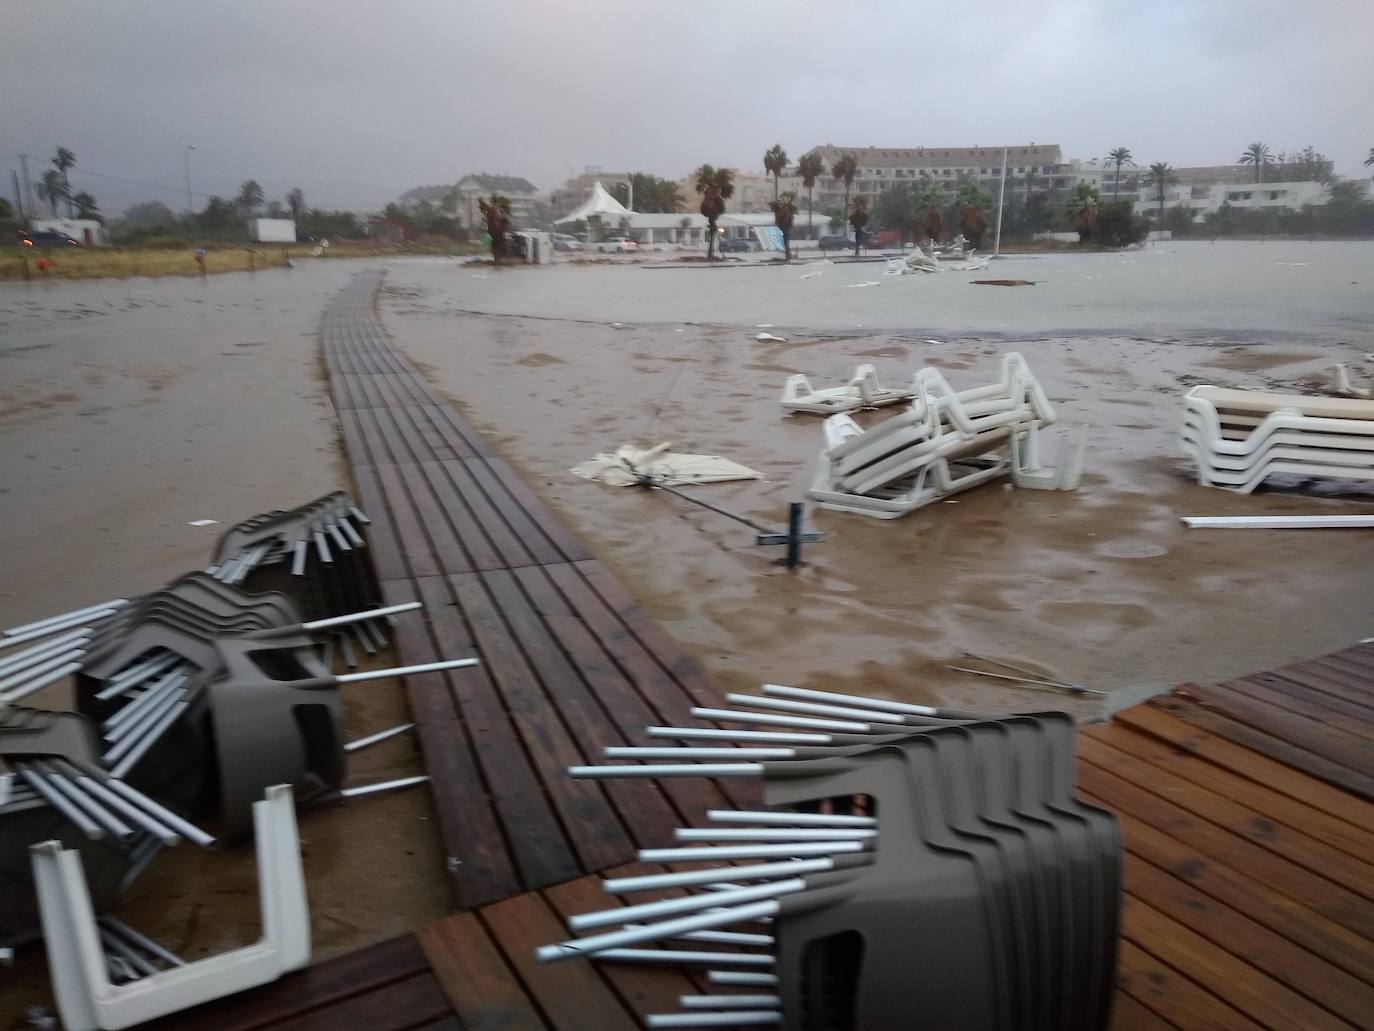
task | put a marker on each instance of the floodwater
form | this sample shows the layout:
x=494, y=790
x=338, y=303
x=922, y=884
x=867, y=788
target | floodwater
x=128, y=409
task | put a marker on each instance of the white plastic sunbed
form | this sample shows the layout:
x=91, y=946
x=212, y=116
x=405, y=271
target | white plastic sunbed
x=862, y=391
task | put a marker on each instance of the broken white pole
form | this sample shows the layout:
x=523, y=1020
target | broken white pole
x=776, y=817
x=683, y=904
x=1331, y=522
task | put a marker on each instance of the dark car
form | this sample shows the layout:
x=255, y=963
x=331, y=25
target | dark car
x=734, y=243
x=48, y=238
x=836, y=243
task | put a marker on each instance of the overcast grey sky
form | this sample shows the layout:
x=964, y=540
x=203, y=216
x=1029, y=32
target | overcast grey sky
x=356, y=100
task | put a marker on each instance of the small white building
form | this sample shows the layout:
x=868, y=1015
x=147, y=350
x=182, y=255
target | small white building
x=1204, y=198
x=86, y=231
x=672, y=227
x=272, y=230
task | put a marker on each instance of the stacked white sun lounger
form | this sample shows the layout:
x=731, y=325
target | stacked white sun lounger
x=946, y=442
x=862, y=391
x=1238, y=438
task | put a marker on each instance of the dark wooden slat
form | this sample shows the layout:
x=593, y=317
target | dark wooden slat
x=331, y=982
x=1193, y=739
x=445, y=545
x=1229, y=930
x=1266, y=743
x=1357, y=841
x=1129, y=1015
x=644, y=988
x=572, y=994
x=1350, y=679
x=1254, y=826
x=481, y=552
x=502, y=538
x=592, y=719
x=1163, y=989
x=596, y=832
x=501, y=766
x=1333, y=901
x=399, y=1006
x=1301, y=703
x=480, y=985
x=1308, y=689
x=624, y=698
x=449, y=411
x=432, y=437
x=410, y=530
x=383, y=542
x=570, y=548
x=523, y=524
x=1218, y=971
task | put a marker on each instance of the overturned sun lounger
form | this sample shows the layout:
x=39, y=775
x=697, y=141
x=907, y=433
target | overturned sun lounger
x=862, y=391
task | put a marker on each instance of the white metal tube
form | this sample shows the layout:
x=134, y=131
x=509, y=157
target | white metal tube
x=728, y=1002
x=709, y=853
x=774, y=834
x=649, y=752
x=667, y=770
x=655, y=932
x=140, y=674
x=185, y=828
x=721, y=1018
x=132, y=712
x=774, y=816
x=150, y=738
x=39, y=652
x=736, y=716
x=44, y=667
x=675, y=956
x=716, y=734
x=682, y=904
x=1278, y=522
x=128, y=736
x=92, y=807
x=40, y=624
x=381, y=735
x=60, y=802
x=405, y=671
x=33, y=635
x=389, y=785
x=339, y=540
x=356, y=617
x=140, y=965
x=816, y=709
x=362, y=519
x=142, y=941
x=353, y=535
x=740, y=977
x=322, y=548
x=159, y=830
x=684, y=878
x=764, y=941
x=298, y=558
x=859, y=701
x=33, y=686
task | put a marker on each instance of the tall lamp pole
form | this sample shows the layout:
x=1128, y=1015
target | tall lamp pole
x=186, y=165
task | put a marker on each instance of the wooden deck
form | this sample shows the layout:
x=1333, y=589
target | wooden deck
x=569, y=662
x=1245, y=807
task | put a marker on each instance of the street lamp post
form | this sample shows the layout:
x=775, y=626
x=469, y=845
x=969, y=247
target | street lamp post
x=186, y=164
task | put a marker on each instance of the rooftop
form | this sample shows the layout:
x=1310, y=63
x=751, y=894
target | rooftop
x=905, y=157
x=500, y=183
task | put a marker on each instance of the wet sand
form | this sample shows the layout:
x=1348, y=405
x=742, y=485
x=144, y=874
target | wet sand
x=127, y=410
x=1103, y=587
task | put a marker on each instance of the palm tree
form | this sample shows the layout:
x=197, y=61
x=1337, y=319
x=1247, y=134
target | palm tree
x=811, y=168
x=858, y=218
x=929, y=198
x=1369, y=160
x=51, y=189
x=1081, y=208
x=973, y=201
x=250, y=197
x=845, y=168
x=784, y=214
x=295, y=200
x=63, y=160
x=1162, y=176
x=496, y=212
x=1119, y=156
x=715, y=185
x=775, y=163
x=1256, y=154
x=86, y=207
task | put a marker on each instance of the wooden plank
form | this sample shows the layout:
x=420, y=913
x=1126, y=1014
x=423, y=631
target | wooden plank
x=1221, y=973
x=1309, y=690
x=450, y=411
x=1262, y=741
x=589, y=820
x=330, y=982
x=621, y=695
x=1333, y=901
x=410, y=530
x=399, y=1006
x=1255, y=826
x=447, y=442
x=1229, y=930
x=1350, y=952
x=1355, y=839
x=481, y=552
x=1350, y=678
x=480, y=984
x=1194, y=740
x=644, y=988
x=572, y=994
x=595, y=719
x=1129, y=1015
x=522, y=523
x=445, y=545
x=383, y=543
x=568, y=545
x=537, y=840
x=502, y=538
x=1308, y=705
x=1168, y=992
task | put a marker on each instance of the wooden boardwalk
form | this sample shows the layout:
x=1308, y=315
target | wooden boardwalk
x=1246, y=807
x=569, y=662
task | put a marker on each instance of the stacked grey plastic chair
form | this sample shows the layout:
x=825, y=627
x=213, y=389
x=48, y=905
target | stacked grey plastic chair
x=917, y=867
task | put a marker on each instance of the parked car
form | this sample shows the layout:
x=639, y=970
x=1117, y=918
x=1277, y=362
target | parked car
x=617, y=245
x=564, y=242
x=836, y=243
x=883, y=239
x=47, y=238
x=734, y=243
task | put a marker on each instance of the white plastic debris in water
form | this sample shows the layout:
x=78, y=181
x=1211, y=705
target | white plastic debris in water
x=857, y=286
x=203, y=522
x=770, y=336
x=628, y=463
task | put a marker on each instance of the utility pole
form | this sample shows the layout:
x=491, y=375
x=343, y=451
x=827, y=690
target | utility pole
x=186, y=162
x=19, y=199
x=28, y=183
x=1001, y=196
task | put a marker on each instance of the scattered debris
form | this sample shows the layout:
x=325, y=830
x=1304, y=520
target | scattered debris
x=203, y=522
x=860, y=286
x=1331, y=522
x=862, y=391
x=628, y=465
x=1341, y=383
x=1004, y=282
x=771, y=337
